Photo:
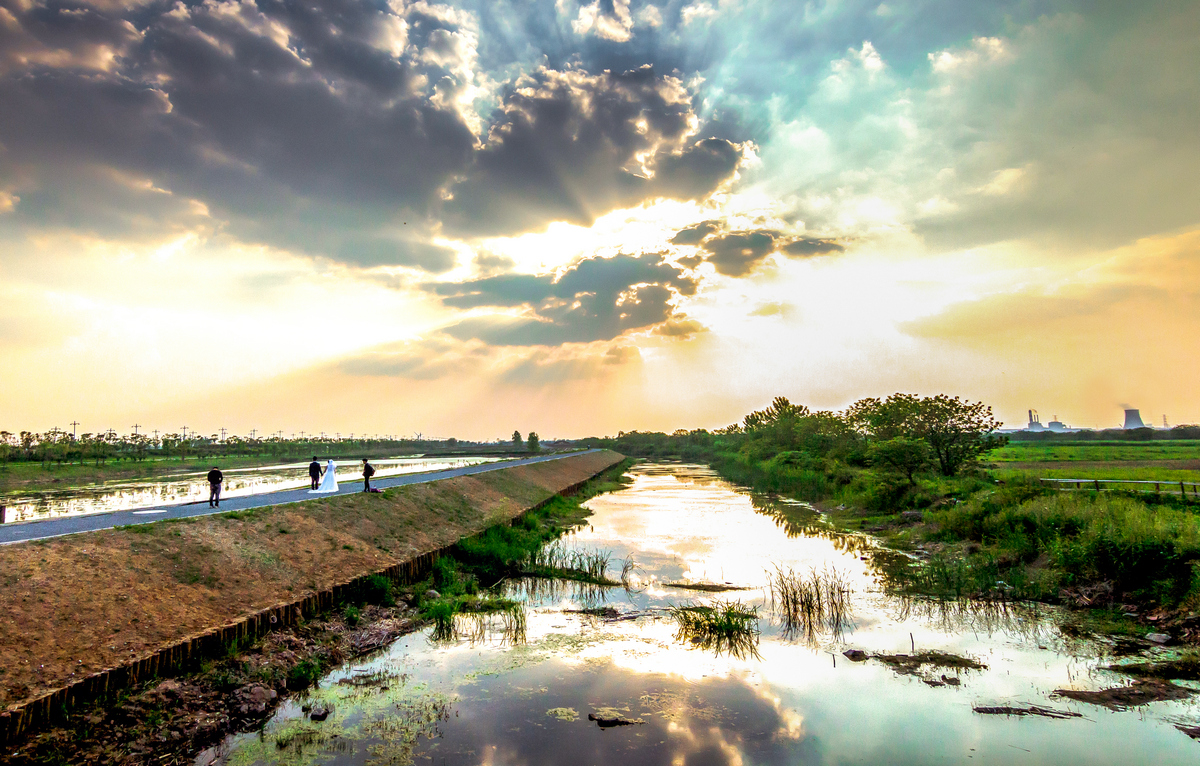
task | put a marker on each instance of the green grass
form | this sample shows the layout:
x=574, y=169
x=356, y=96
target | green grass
x=1113, y=471
x=724, y=627
x=1039, y=542
x=1095, y=451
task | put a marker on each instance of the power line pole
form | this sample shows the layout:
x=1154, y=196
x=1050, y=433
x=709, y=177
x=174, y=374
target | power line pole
x=75, y=423
x=222, y=433
x=136, y=426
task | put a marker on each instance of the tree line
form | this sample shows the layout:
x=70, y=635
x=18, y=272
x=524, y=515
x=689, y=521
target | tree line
x=903, y=434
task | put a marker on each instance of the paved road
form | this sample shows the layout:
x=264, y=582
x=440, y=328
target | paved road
x=69, y=525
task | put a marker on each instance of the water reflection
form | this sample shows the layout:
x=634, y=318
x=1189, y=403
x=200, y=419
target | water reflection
x=785, y=695
x=193, y=487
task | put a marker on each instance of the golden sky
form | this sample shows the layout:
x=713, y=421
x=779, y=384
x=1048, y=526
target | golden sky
x=578, y=218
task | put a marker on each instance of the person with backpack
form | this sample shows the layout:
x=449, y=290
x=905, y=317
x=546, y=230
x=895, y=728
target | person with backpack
x=215, y=477
x=368, y=472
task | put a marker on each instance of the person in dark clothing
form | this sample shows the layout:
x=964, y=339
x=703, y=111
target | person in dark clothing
x=368, y=472
x=314, y=472
x=215, y=477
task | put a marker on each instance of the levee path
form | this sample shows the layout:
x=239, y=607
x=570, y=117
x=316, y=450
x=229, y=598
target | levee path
x=69, y=525
x=91, y=612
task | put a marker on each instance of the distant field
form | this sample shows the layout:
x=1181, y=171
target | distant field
x=1093, y=452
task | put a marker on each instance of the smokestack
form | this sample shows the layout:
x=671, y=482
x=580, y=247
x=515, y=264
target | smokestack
x=1133, y=419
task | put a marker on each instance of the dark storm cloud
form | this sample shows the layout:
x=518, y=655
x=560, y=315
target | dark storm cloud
x=597, y=299
x=566, y=145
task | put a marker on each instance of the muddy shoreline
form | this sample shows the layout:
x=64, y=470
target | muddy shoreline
x=175, y=720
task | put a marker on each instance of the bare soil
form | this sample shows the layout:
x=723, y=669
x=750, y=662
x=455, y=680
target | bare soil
x=84, y=603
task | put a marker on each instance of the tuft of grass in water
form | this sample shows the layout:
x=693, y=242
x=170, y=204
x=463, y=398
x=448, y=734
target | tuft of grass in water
x=809, y=605
x=567, y=564
x=304, y=674
x=724, y=626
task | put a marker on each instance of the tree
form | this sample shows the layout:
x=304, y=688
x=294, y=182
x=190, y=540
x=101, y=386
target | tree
x=901, y=455
x=957, y=431
x=516, y=440
x=532, y=442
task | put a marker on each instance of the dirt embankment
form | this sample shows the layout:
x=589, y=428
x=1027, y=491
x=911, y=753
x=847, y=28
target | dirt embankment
x=88, y=602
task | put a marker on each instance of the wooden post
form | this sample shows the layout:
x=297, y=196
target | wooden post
x=1182, y=491
x=1097, y=485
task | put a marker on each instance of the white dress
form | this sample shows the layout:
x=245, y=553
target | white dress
x=328, y=481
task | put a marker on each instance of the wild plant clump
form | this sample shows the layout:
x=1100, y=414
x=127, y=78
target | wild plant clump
x=809, y=605
x=723, y=626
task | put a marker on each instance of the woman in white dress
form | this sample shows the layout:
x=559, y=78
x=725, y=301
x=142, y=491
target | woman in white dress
x=328, y=481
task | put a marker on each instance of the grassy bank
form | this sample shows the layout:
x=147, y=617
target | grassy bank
x=83, y=603
x=169, y=721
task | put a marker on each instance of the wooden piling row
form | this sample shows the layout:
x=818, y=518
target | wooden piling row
x=186, y=654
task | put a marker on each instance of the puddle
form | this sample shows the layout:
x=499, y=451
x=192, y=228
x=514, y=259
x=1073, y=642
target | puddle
x=193, y=487
x=607, y=675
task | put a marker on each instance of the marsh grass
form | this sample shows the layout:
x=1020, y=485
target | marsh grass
x=723, y=627
x=810, y=605
x=1049, y=542
x=559, y=562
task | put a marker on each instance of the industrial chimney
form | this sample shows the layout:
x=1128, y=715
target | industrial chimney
x=1133, y=419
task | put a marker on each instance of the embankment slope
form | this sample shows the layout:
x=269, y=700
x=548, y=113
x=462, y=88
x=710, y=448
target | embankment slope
x=77, y=605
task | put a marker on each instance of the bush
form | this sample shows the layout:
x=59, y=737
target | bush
x=351, y=615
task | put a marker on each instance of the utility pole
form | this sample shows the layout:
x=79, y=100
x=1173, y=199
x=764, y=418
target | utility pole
x=222, y=433
x=253, y=431
x=75, y=423
x=185, y=432
x=136, y=426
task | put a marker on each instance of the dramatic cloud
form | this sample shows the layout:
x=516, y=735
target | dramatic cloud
x=694, y=235
x=806, y=246
x=736, y=254
x=296, y=126
x=596, y=299
x=571, y=146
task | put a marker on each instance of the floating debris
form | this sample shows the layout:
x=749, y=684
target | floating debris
x=607, y=717
x=1043, y=712
x=1138, y=693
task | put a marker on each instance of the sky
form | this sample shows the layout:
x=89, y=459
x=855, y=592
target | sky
x=578, y=218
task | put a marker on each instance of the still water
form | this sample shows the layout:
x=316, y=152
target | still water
x=192, y=487
x=504, y=693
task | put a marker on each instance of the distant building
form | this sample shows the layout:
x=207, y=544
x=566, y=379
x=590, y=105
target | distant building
x=1035, y=424
x=1057, y=425
x=1133, y=419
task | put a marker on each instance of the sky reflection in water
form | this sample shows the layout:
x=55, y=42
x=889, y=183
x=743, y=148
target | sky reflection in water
x=485, y=699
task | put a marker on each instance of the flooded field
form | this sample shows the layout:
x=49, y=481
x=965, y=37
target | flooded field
x=746, y=633
x=192, y=487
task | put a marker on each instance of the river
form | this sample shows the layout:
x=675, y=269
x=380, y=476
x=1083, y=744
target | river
x=192, y=487
x=513, y=692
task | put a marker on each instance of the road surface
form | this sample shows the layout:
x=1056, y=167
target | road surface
x=69, y=525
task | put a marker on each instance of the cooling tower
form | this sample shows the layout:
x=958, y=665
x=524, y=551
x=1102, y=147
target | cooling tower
x=1133, y=419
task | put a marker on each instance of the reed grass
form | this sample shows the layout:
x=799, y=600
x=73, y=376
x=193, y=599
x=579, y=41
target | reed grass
x=724, y=627
x=810, y=604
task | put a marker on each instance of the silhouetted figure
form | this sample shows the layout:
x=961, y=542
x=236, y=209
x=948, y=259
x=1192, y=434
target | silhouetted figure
x=314, y=472
x=215, y=477
x=368, y=472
